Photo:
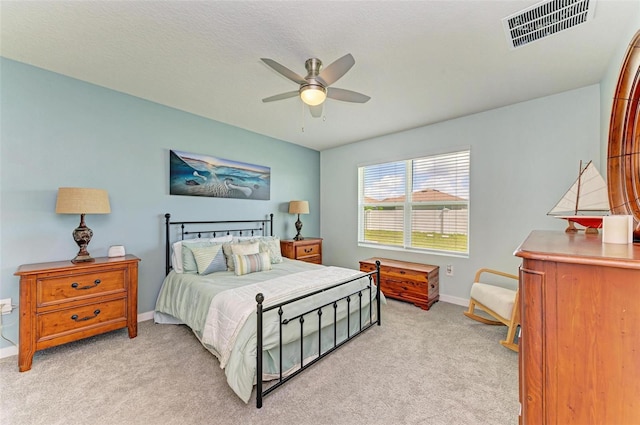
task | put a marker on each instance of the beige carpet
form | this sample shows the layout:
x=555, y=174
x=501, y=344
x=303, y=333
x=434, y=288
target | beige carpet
x=421, y=367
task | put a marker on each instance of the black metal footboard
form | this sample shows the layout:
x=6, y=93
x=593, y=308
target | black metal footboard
x=317, y=311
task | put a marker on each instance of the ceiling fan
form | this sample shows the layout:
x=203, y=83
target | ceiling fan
x=314, y=88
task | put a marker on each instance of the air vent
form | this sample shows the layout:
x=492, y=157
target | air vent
x=546, y=18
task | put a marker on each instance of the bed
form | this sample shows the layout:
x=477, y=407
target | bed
x=260, y=314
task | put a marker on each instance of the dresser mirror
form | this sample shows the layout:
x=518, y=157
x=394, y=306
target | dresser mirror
x=623, y=158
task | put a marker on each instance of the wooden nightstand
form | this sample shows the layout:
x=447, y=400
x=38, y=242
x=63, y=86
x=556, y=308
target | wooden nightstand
x=308, y=249
x=62, y=302
x=413, y=282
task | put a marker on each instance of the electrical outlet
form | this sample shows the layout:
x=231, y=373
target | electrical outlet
x=6, y=305
x=449, y=270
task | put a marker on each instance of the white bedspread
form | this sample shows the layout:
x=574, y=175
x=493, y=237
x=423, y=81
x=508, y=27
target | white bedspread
x=230, y=330
x=230, y=309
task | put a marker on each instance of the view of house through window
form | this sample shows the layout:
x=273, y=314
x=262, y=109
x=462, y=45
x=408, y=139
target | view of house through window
x=417, y=204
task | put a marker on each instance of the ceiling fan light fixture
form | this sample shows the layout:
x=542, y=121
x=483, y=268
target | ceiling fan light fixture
x=313, y=94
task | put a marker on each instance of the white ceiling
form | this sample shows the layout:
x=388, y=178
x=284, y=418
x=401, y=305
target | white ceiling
x=420, y=61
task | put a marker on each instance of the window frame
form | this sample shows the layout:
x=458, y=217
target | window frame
x=408, y=204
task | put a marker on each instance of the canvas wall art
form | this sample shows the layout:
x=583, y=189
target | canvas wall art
x=203, y=175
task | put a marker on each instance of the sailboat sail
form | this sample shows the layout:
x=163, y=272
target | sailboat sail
x=587, y=196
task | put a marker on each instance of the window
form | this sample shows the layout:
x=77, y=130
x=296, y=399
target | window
x=417, y=204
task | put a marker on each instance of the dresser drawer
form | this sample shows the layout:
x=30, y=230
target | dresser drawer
x=57, y=289
x=60, y=322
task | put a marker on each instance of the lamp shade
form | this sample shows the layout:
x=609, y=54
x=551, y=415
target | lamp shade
x=80, y=200
x=299, y=207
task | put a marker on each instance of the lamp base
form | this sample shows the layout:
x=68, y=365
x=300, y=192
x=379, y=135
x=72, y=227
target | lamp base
x=82, y=235
x=83, y=259
x=298, y=237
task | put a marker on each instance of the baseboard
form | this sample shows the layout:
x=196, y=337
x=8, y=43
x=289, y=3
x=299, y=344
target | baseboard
x=143, y=317
x=8, y=352
x=13, y=351
x=454, y=300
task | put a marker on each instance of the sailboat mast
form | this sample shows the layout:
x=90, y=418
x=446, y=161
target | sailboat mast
x=578, y=190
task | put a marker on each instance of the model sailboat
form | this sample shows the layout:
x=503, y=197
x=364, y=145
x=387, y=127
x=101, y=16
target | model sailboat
x=586, y=201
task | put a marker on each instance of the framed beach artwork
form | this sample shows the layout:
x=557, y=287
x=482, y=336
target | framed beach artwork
x=203, y=175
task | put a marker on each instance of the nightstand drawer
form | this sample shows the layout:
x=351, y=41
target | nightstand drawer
x=53, y=290
x=60, y=322
x=316, y=259
x=307, y=251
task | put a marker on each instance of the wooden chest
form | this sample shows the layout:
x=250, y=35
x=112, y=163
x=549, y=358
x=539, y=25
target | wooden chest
x=412, y=282
x=62, y=302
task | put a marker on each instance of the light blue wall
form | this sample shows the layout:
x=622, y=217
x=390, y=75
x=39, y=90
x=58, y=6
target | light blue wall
x=57, y=131
x=523, y=158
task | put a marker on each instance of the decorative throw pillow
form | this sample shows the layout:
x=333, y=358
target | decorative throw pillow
x=242, y=248
x=209, y=259
x=271, y=244
x=245, y=264
x=178, y=256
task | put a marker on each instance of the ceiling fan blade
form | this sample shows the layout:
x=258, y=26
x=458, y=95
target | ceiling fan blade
x=316, y=111
x=284, y=71
x=337, y=69
x=281, y=96
x=346, y=95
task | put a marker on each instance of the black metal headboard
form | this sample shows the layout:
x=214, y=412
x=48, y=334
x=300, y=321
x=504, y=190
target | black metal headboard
x=262, y=227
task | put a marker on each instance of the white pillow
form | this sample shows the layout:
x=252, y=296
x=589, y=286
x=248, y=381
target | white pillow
x=176, y=254
x=245, y=248
x=245, y=238
x=248, y=248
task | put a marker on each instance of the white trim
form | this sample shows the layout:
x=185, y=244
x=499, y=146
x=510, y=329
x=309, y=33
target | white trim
x=8, y=352
x=142, y=317
x=13, y=351
x=454, y=300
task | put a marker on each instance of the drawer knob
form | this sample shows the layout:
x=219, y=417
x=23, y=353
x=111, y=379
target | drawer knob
x=75, y=316
x=76, y=286
x=308, y=250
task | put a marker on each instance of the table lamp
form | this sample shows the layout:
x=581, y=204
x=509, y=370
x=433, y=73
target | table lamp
x=79, y=200
x=298, y=207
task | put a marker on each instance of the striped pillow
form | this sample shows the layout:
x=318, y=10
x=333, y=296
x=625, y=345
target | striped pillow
x=209, y=259
x=245, y=264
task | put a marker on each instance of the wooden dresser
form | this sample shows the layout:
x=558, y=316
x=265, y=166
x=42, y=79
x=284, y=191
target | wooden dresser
x=413, y=282
x=580, y=319
x=62, y=302
x=308, y=249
